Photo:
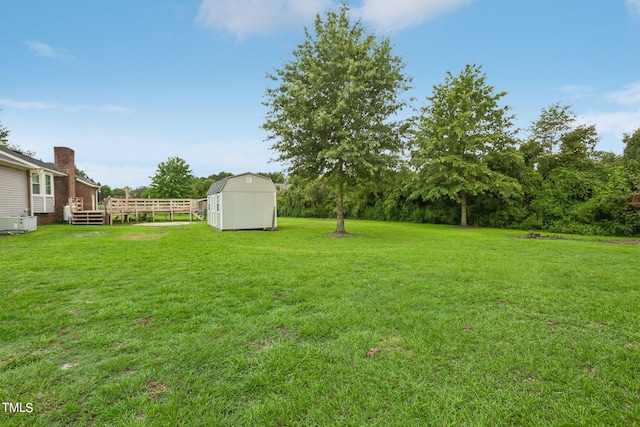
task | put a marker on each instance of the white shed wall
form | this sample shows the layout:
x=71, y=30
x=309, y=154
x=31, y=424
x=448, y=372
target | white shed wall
x=245, y=202
x=248, y=210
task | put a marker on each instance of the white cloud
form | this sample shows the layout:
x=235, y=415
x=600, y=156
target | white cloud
x=244, y=17
x=623, y=118
x=24, y=105
x=395, y=15
x=577, y=92
x=40, y=105
x=43, y=49
x=630, y=95
x=612, y=126
x=634, y=7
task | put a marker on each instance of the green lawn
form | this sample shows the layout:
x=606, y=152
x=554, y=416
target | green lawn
x=403, y=324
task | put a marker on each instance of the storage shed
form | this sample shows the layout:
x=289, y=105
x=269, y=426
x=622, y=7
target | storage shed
x=242, y=202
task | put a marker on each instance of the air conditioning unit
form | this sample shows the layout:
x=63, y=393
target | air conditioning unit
x=18, y=224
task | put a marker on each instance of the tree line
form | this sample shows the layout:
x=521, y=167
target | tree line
x=175, y=180
x=333, y=119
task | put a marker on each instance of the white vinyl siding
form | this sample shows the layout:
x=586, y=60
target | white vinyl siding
x=14, y=190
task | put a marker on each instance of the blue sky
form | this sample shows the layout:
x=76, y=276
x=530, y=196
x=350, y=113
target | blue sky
x=128, y=84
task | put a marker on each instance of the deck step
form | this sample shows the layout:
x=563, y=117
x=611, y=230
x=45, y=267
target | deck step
x=88, y=218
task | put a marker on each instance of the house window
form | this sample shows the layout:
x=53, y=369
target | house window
x=35, y=183
x=48, y=187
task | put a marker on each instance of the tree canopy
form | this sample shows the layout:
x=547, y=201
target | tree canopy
x=173, y=179
x=460, y=128
x=631, y=152
x=330, y=113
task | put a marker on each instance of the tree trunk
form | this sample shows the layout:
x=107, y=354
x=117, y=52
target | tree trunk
x=463, y=209
x=340, y=226
x=340, y=208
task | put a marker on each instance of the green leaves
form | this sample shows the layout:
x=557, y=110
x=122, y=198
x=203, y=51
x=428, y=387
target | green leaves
x=329, y=114
x=459, y=130
x=173, y=179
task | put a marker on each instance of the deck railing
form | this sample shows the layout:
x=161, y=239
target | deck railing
x=124, y=207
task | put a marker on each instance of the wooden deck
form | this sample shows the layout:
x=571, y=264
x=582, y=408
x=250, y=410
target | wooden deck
x=87, y=218
x=125, y=208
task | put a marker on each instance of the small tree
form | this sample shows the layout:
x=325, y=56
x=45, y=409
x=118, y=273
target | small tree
x=631, y=154
x=458, y=130
x=330, y=114
x=173, y=179
x=4, y=135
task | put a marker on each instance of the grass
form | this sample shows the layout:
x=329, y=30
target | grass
x=404, y=324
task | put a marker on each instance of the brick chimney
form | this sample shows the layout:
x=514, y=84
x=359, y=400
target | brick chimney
x=64, y=159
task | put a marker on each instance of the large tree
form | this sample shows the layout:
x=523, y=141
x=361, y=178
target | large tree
x=173, y=179
x=331, y=112
x=545, y=134
x=555, y=141
x=460, y=128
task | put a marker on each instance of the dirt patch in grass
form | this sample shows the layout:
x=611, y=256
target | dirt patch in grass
x=596, y=325
x=90, y=234
x=163, y=224
x=287, y=333
x=262, y=344
x=156, y=389
x=622, y=242
x=153, y=236
x=337, y=234
x=393, y=344
x=577, y=239
x=145, y=320
x=373, y=351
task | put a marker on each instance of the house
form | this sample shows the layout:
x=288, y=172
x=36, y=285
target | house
x=242, y=202
x=33, y=188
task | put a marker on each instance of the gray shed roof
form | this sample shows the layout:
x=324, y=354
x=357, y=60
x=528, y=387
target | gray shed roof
x=217, y=186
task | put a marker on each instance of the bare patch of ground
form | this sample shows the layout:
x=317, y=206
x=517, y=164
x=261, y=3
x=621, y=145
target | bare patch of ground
x=393, y=344
x=163, y=224
x=68, y=366
x=156, y=389
x=622, y=242
x=536, y=236
x=90, y=234
x=143, y=236
x=145, y=320
x=337, y=234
